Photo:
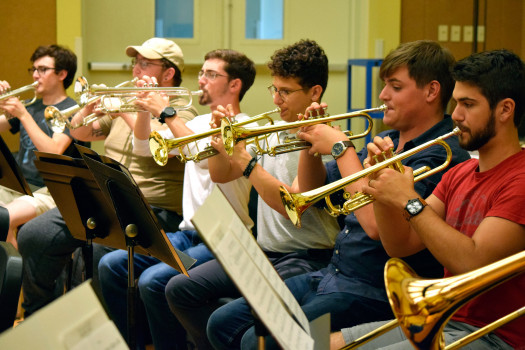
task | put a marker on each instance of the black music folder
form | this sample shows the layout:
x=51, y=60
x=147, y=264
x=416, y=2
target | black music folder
x=98, y=199
x=10, y=173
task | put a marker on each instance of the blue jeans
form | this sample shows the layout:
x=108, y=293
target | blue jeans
x=46, y=245
x=194, y=299
x=153, y=275
x=231, y=326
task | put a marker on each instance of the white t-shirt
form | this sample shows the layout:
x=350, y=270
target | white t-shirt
x=197, y=182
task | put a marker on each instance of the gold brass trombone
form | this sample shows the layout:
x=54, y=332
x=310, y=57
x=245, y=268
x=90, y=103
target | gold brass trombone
x=423, y=307
x=296, y=203
x=23, y=89
x=59, y=120
x=160, y=147
x=232, y=134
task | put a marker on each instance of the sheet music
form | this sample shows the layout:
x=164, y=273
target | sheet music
x=243, y=260
x=75, y=321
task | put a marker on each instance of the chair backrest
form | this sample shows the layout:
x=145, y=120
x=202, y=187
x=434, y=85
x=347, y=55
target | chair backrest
x=10, y=284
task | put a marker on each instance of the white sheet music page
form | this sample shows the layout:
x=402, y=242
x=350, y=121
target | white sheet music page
x=242, y=259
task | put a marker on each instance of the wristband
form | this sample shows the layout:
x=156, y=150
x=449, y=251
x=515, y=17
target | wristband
x=249, y=167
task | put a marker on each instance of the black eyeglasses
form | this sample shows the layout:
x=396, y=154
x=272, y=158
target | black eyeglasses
x=210, y=74
x=143, y=64
x=41, y=70
x=283, y=94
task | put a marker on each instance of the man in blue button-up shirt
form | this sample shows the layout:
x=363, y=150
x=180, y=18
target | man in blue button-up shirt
x=418, y=86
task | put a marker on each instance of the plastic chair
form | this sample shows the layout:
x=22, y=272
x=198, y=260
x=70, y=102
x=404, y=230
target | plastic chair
x=10, y=284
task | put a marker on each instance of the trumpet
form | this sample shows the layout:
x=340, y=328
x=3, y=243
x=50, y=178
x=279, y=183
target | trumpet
x=160, y=147
x=232, y=134
x=119, y=99
x=59, y=120
x=296, y=203
x=423, y=307
x=23, y=89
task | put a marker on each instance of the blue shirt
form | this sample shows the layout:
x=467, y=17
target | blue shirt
x=26, y=156
x=358, y=261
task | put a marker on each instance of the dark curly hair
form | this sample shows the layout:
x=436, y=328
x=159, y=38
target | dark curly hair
x=425, y=60
x=498, y=74
x=305, y=60
x=65, y=59
x=237, y=65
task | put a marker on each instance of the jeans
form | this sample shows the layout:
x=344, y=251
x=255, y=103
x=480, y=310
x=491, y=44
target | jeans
x=46, y=245
x=153, y=275
x=194, y=299
x=231, y=326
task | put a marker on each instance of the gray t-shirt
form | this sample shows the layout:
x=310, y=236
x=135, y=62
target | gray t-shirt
x=276, y=233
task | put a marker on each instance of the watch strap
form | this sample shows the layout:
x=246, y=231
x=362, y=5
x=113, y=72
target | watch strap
x=348, y=144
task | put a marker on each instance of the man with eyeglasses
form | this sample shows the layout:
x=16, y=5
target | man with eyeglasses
x=225, y=77
x=299, y=77
x=53, y=69
x=45, y=242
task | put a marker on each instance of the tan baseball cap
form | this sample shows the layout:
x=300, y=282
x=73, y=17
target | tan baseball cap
x=157, y=48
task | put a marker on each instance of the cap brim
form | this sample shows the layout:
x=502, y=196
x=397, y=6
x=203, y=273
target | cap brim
x=132, y=51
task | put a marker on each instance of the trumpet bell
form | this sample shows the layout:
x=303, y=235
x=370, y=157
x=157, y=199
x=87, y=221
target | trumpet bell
x=54, y=119
x=81, y=90
x=158, y=148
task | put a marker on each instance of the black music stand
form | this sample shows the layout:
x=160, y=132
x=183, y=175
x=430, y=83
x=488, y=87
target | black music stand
x=10, y=174
x=101, y=203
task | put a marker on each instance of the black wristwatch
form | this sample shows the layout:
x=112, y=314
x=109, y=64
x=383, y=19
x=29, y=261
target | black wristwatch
x=414, y=207
x=339, y=148
x=167, y=112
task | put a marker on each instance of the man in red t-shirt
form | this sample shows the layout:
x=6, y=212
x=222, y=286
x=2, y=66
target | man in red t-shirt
x=475, y=215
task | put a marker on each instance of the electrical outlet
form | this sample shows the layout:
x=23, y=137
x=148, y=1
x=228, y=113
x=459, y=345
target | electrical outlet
x=468, y=34
x=455, y=33
x=442, y=32
x=481, y=34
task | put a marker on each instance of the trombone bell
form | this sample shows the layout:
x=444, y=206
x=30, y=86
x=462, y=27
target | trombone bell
x=423, y=307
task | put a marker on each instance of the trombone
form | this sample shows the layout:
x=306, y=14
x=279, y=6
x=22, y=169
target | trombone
x=160, y=147
x=232, y=134
x=59, y=120
x=423, y=307
x=296, y=203
x=23, y=89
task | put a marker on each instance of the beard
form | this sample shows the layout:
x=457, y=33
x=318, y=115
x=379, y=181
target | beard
x=204, y=99
x=479, y=139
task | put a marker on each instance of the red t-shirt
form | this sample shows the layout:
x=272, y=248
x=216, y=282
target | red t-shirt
x=469, y=197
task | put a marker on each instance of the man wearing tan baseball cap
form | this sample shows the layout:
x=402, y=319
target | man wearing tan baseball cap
x=159, y=48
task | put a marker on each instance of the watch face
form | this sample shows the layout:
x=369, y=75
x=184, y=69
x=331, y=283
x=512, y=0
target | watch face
x=337, y=149
x=413, y=207
x=169, y=110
